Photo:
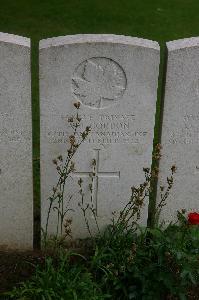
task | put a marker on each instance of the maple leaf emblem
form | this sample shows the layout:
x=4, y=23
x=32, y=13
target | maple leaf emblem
x=99, y=83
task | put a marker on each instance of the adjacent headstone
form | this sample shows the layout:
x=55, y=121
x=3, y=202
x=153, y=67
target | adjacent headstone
x=16, y=192
x=180, y=129
x=115, y=80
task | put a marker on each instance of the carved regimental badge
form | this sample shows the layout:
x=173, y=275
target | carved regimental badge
x=99, y=82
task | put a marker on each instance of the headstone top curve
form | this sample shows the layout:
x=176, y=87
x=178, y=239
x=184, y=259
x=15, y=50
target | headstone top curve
x=183, y=43
x=98, y=38
x=14, y=39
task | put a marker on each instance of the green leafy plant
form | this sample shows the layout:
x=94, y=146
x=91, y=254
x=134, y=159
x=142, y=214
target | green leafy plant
x=158, y=263
x=60, y=279
x=131, y=262
x=116, y=248
x=125, y=261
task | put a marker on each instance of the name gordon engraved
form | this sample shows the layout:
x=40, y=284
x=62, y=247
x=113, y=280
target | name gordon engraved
x=105, y=129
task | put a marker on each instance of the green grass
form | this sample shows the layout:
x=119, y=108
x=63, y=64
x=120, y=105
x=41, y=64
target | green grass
x=160, y=20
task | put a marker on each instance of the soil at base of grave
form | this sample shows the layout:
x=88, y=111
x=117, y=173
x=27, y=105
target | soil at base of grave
x=17, y=267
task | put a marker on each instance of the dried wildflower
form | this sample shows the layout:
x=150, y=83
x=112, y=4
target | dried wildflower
x=162, y=188
x=88, y=128
x=173, y=169
x=68, y=231
x=67, y=228
x=157, y=152
x=93, y=162
x=62, y=178
x=80, y=181
x=121, y=214
x=72, y=166
x=158, y=147
x=145, y=184
x=146, y=170
x=84, y=135
x=78, y=119
x=72, y=139
x=64, y=172
x=77, y=105
x=139, y=202
x=54, y=161
x=69, y=221
x=70, y=120
x=59, y=194
x=155, y=172
x=170, y=181
x=70, y=151
x=60, y=158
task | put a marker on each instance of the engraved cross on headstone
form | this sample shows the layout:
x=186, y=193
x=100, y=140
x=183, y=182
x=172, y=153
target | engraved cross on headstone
x=96, y=175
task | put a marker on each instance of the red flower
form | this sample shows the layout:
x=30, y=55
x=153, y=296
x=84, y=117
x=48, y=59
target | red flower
x=193, y=218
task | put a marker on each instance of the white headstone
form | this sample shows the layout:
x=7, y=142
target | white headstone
x=180, y=129
x=115, y=80
x=16, y=191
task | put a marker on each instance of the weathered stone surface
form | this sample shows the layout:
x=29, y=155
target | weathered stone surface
x=16, y=192
x=115, y=79
x=180, y=131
